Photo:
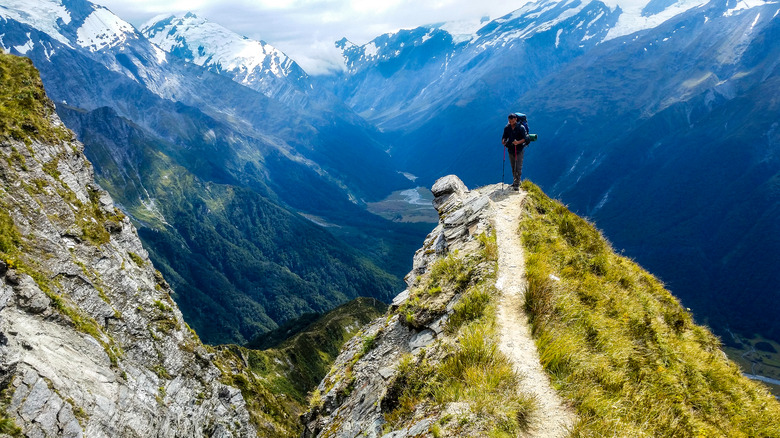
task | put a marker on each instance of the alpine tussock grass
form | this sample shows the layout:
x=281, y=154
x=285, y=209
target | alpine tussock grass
x=621, y=348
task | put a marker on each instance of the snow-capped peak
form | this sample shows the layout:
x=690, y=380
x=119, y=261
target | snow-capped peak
x=95, y=26
x=44, y=15
x=102, y=29
x=643, y=14
x=211, y=45
x=463, y=30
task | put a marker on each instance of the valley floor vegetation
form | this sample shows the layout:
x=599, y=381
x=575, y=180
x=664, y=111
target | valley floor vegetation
x=620, y=347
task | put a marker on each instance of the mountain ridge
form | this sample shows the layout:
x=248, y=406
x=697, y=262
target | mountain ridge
x=676, y=114
x=214, y=131
x=92, y=343
x=620, y=350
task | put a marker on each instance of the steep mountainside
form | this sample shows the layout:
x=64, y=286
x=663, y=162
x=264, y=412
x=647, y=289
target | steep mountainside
x=141, y=111
x=619, y=350
x=684, y=177
x=255, y=64
x=658, y=121
x=238, y=262
x=91, y=343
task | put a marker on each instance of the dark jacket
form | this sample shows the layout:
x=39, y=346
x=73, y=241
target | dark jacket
x=511, y=135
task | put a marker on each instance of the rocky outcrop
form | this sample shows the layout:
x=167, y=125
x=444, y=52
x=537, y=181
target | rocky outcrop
x=355, y=396
x=91, y=343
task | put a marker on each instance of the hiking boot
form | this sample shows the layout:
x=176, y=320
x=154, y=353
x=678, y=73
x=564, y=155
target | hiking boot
x=516, y=188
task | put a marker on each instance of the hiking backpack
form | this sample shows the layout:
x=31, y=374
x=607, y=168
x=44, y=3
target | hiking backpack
x=524, y=121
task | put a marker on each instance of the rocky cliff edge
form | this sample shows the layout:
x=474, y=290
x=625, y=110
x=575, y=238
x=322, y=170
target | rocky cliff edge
x=438, y=333
x=91, y=343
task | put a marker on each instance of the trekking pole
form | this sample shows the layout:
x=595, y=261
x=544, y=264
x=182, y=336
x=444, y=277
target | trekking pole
x=503, y=166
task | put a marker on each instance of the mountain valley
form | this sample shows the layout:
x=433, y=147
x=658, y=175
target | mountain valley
x=212, y=235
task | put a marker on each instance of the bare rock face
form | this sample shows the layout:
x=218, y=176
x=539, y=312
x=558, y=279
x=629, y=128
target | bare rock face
x=91, y=343
x=349, y=401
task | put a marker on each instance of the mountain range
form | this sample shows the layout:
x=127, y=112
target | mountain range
x=92, y=342
x=225, y=183
x=657, y=120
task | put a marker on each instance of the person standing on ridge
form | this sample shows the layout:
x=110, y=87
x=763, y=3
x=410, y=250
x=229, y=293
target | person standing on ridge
x=514, y=140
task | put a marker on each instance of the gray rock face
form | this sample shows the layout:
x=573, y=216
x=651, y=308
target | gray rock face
x=91, y=344
x=352, y=393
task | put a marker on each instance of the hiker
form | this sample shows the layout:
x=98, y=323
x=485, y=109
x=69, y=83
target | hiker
x=514, y=140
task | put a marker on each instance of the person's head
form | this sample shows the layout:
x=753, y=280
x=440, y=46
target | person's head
x=512, y=119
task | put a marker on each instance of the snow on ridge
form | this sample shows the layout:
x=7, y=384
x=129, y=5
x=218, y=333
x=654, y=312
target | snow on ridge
x=746, y=4
x=370, y=49
x=631, y=19
x=160, y=54
x=102, y=29
x=42, y=15
x=464, y=30
x=26, y=47
x=214, y=45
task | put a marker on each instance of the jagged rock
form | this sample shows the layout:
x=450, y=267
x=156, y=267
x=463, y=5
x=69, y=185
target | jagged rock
x=400, y=298
x=447, y=188
x=411, y=431
x=30, y=297
x=354, y=392
x=421, y=339
x=91, y=343
x=460, y=211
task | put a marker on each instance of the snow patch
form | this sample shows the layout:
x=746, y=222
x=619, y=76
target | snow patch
x=43, y=15
x=370, y=50
x=211, y=45
x=160, y=54
x=746, y=4
x=602, y=201
x=408, y=176
x=755, y=21
x=463, y=30
x=102, y=29
x=631, y=20
x=598, y=17
x=26, y=47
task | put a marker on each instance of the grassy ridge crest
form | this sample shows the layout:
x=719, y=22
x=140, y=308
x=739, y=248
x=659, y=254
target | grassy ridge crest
x=620, y=347
x=25, y=113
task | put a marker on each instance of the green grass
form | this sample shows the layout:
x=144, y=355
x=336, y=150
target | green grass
x=448, y=277
x=8, y=427
x=470, y=371
x=24, y=111
x=276, y=382
x=10, y=239
x=621, y=348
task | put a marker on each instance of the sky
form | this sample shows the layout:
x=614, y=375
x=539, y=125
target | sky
x=307, y=29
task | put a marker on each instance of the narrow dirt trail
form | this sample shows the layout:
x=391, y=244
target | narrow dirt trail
x=553, y=419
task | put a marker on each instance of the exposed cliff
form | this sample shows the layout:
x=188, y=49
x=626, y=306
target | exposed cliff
x=91, y=343
x=434, y=364
x=519, y=319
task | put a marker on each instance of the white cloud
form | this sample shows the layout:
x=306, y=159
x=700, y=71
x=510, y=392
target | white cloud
x=307, y=29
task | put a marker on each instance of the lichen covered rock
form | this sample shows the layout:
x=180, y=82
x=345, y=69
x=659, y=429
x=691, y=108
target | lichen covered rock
x=364, y=385
x=91, y=343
